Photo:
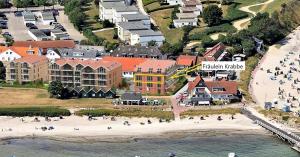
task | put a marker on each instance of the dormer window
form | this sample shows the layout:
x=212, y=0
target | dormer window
x=150, y=70
x=159, y=71
x=139, y=69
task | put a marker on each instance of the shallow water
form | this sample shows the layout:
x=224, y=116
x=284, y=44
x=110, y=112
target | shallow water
x=194, y=145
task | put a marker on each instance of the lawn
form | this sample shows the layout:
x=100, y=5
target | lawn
x=204, y=112
x=152, y=6
x=163, y=20
x=270, y=8
x=92, y=13
x=248, y=2
x=146, y=2
x=23, y=97
x=246, y=76
x=108, y=35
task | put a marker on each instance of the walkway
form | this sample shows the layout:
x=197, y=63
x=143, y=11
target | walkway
x=241, y=24
x=140, y=5
x=100, y=30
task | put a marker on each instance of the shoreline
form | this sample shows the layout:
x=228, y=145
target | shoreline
x=64, y=129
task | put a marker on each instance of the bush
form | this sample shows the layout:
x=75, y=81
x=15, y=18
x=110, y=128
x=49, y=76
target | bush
x=95, y=40
x=134, y=112
x=229, y=111
x=34, y=111
x=227, y=28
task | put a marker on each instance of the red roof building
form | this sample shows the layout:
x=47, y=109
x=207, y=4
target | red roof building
x=216, y=52
x=186, y=60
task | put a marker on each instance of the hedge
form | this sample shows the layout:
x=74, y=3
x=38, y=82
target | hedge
x=34, y=111
x=161, y=8
x=127, y=113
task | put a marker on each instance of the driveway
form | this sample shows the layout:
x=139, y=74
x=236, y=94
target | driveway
x=16, y=27
x=140, y=5
x=64, y=21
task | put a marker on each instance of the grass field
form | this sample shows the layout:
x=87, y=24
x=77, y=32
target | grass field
x=163, y=20
x=22, y=97
x=108, y=35
x=270, y=8
x=230, y=111
x=248, y=2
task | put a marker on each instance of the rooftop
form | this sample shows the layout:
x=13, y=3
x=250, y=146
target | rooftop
x=132, y=25
x=134, y=17
x=186, y=15
x=155, y=65
x=191, y=2
x=184, y=20
x=188, y=9
x=32, y=59
x=132, y=50
x=229, y=87
x=215, y=51
x=22, y=51
x=128, y=64
x=38, y=33
x=77, y=53
x=186, y=60
x=46, y=44
x=148, y=32
x=47, y=16
x=95, y=64
x=29, y=16
x=131, y=96
x=126, y=8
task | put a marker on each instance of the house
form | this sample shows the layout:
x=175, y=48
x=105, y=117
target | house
x=124, y=29
x=238, y=57
x=184, y=61
x=128, y=64
x=131, y=98
x=45, y=45
x=38, y=35
x=57, y=34
x=154, y=76
x=105, y=9
x=217, y=52
x=143, y=37
x=191, y=6
x=15, y=52
x=174, y=2
x=113, y=10
x=47, y=18
x=86, y=73
x=144, y=19
x=138, y=52
x=29, y=17
x=83, y=54
x=82, y=92
x=202, y=92
x=185, y=19
x=27, y=69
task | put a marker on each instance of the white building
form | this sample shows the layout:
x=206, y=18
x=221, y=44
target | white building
x=124, y=29
x=52, y=55
x=142, y=37
x=137, y=18
x=29, y=17
x=47, y=18
x=118, y=11
x=185, y=19
x=9, y=55
x=38, y=35
x=58, y=34
x=174, y=2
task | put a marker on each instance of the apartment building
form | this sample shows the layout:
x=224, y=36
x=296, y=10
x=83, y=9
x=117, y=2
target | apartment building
x=87, y=74
x=154, y=76
x=27, y=69
x=15, y=52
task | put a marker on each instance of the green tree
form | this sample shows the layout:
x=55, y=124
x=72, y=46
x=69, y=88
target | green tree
x=96, y=2
x=77, y=17
x=152, y=43
x=2, y=71
x=56, y=89
x=40, y=2
x=248, y=47
x=212, y=15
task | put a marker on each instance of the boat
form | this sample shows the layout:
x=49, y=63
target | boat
x=172, y=154
x=232, y=154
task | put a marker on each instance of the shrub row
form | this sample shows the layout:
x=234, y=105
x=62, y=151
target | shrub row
x=34, y=111
x=229, y=111
x=127, y=113
x=228, y=28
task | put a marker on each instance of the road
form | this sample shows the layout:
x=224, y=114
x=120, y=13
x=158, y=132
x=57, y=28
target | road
x=241, y=24
x=16, y=27
x=142, y=10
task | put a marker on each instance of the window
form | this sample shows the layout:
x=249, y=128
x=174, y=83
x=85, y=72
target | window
x=138, y=84
x=149, y=78
x=149, y=85
x=158, y=79
x=159, y=71
x=158, y=85
x=101, y=70
x=139, y=69
x=150, y=70
x=138, y=78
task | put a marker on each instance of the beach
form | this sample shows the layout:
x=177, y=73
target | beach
x=277, y=77
x=75, y=126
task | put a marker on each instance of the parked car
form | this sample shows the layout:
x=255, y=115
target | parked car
x=33, y=27
x=3, y=25
x=18, y=13
x=6, y=33
x=29, y=24
x=54, y=23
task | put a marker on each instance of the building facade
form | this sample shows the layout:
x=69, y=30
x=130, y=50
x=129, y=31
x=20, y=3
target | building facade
x=86, y=73
x=27, y=69
x=154, y=76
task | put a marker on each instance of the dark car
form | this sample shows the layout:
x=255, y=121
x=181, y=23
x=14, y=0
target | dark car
x=2, y=15
x=18, y=13
x=29, y=24
x=6, y=33
x=3, y=25
x=33, y=27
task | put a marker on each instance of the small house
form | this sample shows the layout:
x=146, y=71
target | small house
x=132, y=98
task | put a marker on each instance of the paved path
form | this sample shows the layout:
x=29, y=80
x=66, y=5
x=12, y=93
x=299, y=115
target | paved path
x=177, y=109
x=142, y=10
x=240, y=24
x=13, y=9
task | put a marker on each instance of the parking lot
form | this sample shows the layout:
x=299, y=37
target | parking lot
x=19, y=31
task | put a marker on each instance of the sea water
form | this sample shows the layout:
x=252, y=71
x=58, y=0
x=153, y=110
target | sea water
x=194, y=145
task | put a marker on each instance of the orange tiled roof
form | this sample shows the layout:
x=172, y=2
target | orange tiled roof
x=31, y=59
x=211, y=52
x=229, y=86
x=186, y=60
x=95, y=64
x=128, y=64
x=155, y=65
x=22, y=51
x=46, y=44
x=194, y=83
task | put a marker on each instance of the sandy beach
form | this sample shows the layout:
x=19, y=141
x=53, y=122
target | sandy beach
x=75, y=126
x=277, y=78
